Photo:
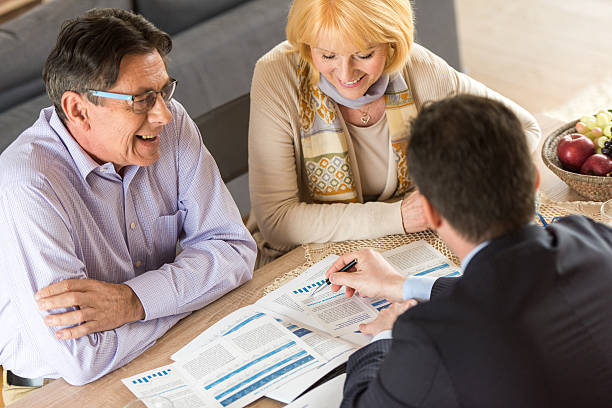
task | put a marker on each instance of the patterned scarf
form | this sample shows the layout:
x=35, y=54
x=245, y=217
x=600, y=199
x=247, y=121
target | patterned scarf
x=324, y=146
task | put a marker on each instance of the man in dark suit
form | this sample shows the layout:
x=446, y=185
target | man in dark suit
x=530, y=322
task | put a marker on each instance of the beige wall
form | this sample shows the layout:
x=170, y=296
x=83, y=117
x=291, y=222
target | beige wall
x=544, y=54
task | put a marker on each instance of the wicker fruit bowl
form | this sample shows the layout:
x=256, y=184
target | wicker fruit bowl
x=594, y=188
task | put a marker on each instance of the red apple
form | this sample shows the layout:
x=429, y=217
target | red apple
x=597, y=165
x=573, y=150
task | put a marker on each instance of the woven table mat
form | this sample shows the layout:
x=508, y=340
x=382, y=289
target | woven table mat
x=547, y=208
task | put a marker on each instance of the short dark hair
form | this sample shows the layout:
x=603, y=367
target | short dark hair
x=89, y=50
x=468, y=156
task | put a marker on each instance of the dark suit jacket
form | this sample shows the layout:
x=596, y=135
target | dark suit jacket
x=528, y=325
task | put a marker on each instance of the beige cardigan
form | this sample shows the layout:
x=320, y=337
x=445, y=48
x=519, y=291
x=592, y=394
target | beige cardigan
x=281, y=207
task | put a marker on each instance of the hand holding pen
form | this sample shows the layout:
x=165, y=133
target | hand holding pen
x=371, y=275
x=327, y=281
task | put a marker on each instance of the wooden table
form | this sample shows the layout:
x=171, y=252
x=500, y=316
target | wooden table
x=109, y=391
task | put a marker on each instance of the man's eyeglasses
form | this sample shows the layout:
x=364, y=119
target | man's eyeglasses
x=144, y=102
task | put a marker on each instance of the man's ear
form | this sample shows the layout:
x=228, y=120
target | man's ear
x=431, y=215
x=537, y=183
x=75, y=109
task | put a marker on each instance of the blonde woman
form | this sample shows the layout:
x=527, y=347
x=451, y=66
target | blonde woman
x=330, y=116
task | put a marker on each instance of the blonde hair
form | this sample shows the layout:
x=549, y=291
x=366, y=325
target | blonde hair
x=363, y=22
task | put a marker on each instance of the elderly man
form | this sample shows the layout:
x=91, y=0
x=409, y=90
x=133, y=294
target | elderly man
x=93, y=199
x=528, y=324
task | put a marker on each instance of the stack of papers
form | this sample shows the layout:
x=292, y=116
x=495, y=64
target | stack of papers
x=282, y=344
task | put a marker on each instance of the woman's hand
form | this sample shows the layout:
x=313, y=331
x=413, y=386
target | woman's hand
x=413, y=214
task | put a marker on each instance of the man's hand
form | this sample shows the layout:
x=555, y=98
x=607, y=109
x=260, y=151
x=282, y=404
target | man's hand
x=101, y=306
x=387, y=317
x=373, y=276
x=413, y=214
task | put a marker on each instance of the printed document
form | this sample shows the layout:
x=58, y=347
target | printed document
x=325, y=395
x=331, y=312
x=249, y=356
x=165, y=381
x=420, y=259
x=282, y=344
x=332, y=351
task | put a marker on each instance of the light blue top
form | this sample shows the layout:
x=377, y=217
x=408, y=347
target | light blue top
x=64, y=216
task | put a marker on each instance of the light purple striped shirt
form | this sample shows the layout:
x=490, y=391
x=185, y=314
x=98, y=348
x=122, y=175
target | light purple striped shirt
x=64, y=216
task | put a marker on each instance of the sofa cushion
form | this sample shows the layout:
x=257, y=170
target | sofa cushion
x=26, y=41
x=20, y=117
x=230, y=122
x=213, y=62
x=173, y=16
x=21, y=92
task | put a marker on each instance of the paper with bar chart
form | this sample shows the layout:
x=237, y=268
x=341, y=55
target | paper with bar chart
x=165, y=381
x=332, y=351
x=334, y=312
x=420, y=259
x=253, y=353
x=331, y=312
x=283, y=343
x=417, y=259
x=339, y=315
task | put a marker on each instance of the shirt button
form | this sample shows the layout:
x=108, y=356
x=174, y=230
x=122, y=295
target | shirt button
x=132, y=225
x=137, y=264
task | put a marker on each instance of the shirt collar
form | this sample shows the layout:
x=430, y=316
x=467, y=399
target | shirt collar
x=472, y=253
x=83, y=161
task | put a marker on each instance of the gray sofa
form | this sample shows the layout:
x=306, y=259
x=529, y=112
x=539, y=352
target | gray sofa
x=216, y=45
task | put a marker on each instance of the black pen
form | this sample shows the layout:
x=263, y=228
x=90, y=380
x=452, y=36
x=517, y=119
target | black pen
x=343, y=269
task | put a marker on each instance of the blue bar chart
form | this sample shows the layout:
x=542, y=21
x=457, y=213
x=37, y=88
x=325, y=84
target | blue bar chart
x=381, y=304
x=150, y=377
x=309, y=287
